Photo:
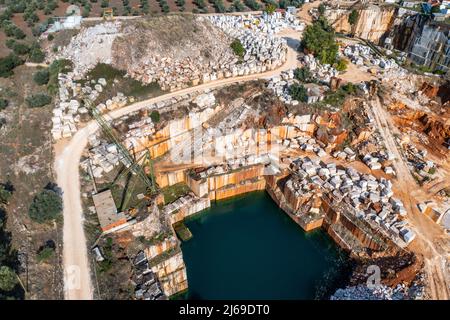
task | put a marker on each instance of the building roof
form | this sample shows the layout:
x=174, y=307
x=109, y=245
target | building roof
x=107, y=210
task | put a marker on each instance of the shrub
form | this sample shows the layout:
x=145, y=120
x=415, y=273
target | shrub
x=238, y=6
x=252, y=4
x=8, y=278
x=41, y=77
x=3, y=104
x=321, y=9
x=303, y=74
x=341, y=65
x=36, y=54
x=50, y=37
x=298, y=92
x=155, y=116
x=238, y=48
x=46, y=206
x=45, y=254
x=10, y=43
x=38, y=100
x=353, y=17
x=7, y=65
x=5, y=194
x=20, y=48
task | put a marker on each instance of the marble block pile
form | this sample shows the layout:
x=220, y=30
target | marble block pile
x=363, y=195
x=362, y=55
x=280, y=86
x=322, y=72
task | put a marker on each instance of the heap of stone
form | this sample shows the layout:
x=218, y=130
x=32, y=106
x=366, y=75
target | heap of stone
x=362, y=55
x=380, y=292
x=417, y=161
x=67, y=108
x=361, y=195
x=265, y=23
x=373, y=161
x=91, y=46
x=321, y=72
x=280, y=86
x=231, y=165
x=68, y=111
x=103, y=157
x=346, y=154
x=118, y=101
x=263, y=51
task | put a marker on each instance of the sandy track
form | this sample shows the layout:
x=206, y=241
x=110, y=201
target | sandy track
x=77, y=277
x=431, y=242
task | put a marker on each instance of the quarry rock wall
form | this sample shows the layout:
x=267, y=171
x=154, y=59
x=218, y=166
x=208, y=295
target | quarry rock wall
x=172, y=274
x=373, y=23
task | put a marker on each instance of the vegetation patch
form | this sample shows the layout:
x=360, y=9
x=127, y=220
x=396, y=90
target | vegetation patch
x=172, y=193
x=238, y=48
x=8, y=63
x=46, y=206
x=38, y=100
x=319, y=39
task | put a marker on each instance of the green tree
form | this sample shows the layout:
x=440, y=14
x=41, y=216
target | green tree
x=270, y=8
x=155, y=116
x=303, y=74
x=8, y=278
x=36, y=54
x=38, y=100
x=3, y=104
x=238, y=48
x=20, y=48
x=46, y=206
x=298, y=92
x=5, y=194
x=41, y=77
x=320, y=40
x=353, y=17
x=321, y=9
x=7, y=65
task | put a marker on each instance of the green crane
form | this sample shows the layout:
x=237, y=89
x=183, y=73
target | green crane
x=132, y=165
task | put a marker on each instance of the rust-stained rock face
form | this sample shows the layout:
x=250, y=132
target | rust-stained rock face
x=172, y=274
x=373, y=22
x=160, y=247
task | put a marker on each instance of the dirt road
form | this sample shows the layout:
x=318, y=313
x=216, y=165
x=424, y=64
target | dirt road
x=77, y=278
x=431, y=242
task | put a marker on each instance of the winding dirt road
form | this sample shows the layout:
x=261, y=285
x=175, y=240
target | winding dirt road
x=77, y=276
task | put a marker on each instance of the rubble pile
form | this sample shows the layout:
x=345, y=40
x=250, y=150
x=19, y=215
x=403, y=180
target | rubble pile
x=103, y=157
x=90, y=46
x=118, y=101
x=263, y=51
x=380, y=292
x=321, y=72
x=423, y=169
x=280, y=86
x=375, y=161
x=147, y=286
x=69, y=112
x=230, y=165
x=361, y=195
x=265, y=23
x=362, y=56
